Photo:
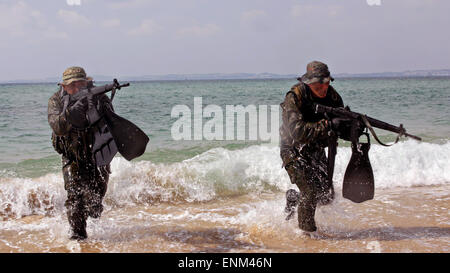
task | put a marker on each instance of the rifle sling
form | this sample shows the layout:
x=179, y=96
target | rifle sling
x=366, y=122
x=113, y=93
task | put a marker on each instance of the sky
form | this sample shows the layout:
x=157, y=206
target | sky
x=39, y=39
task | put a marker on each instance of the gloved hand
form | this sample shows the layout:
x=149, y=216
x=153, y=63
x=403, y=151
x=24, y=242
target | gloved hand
x=342, y=127
x=338, y=123
x=323, y=124
x=76, y=114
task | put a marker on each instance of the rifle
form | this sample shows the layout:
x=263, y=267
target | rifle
x=358, y=183
x=91, y=93
x=112, y=133
x=97, y=90
x=368, y=122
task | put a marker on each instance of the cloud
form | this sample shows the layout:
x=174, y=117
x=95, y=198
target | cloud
x=111, y=23
x=199, y=31
x=303, y=10
x=127, y=4
x=256, y=19
x=18, y=19
x=300, y=10
x=53, y=33
x=147, y=27
x=252, y=15
x=15, y=18
x=73, y=18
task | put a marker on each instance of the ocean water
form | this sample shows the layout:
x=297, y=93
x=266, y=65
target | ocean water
x=229, y=193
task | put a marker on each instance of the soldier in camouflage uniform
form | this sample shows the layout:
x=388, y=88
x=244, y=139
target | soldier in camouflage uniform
x=303, y=137
x=72, y=137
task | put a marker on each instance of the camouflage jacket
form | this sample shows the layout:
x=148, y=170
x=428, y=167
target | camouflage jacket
x=73, y=144
x=303, y=131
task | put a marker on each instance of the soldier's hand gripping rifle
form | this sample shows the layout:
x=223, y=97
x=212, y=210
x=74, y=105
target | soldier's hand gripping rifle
x=358, y=183
x=112, y=133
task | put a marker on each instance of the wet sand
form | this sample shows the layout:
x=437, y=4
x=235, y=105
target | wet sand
x=397, y=220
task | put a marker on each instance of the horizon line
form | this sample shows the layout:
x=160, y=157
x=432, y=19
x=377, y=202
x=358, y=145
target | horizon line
x=245, y=76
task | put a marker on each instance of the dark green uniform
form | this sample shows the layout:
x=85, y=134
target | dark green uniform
x=84, y=182
x=303, y=137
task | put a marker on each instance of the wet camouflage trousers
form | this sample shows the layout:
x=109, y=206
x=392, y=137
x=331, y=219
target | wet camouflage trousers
x=310, y=176
x=85, y=188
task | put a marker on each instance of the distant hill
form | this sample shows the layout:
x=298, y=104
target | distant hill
x=212, y=76
x=243, y=76
x=170, y=77
x=410, y=73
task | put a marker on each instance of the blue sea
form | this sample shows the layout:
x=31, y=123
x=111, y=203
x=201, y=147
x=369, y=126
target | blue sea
x=229, y=191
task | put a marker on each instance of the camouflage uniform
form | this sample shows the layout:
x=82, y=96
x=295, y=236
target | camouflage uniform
x=303, y=137
x=84, y=182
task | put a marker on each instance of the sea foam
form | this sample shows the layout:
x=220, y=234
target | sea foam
x=219, y=173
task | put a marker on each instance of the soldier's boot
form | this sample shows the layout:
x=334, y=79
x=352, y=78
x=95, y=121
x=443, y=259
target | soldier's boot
x=306, y=212
x=77, y=221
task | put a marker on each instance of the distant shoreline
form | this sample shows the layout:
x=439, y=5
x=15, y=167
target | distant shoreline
x=224, y=77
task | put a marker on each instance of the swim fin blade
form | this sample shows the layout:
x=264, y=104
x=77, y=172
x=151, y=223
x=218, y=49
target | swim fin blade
x=104, y=147
x=130, y=140
x=359, y=185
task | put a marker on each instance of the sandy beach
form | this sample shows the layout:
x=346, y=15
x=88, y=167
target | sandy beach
x=397, y=220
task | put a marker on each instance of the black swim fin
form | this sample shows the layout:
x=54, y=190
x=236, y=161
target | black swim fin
x=130, y=140
x=359, y=185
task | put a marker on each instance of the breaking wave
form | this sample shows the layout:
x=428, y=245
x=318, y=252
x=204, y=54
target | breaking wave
x=219, y=173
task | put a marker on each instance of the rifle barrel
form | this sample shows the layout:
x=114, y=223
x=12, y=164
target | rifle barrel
x=97, y=90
